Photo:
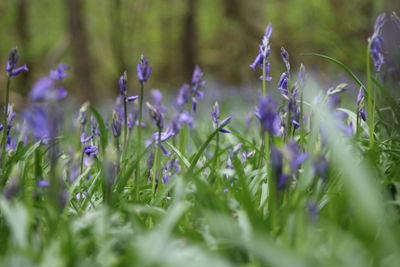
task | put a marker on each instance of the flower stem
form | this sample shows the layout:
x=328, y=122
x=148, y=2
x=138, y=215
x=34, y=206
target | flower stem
x=370, y=99
x=139, y=138
x=125, y=128
x=4, y=139
x=156, y=166
x=264, y=82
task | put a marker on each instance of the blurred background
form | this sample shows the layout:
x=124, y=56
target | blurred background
x=102, y=38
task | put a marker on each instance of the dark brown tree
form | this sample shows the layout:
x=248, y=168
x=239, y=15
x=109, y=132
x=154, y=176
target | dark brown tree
x=83, y=63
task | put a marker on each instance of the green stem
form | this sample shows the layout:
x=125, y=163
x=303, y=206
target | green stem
x=272, y=194
x=264, y=82
x=4, y=139
x=370, y=98
x=125, y=128
x=139, y=139
x=156, y=166
x=184, y=132
x=301, y=121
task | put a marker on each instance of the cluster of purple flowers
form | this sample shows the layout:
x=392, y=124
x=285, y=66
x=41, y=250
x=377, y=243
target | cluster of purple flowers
x=263, y=53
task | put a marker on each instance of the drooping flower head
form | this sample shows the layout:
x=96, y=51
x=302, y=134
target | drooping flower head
x=37, y=122
x=171, y=168
x=215, y=115
x=156, y=115
x=122, y=84
x=47, y=88
x=90, y=150
x=267, y=114
x=294, y=156
x=60, y=73
x=197, y=84
x=143, y=69
x=183, y=96
x=285, y=59
x=263, y=53
x=361, y=104
x=376, y=42
x=11, y=68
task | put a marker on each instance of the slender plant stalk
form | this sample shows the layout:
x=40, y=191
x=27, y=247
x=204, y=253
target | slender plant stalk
x=301, y=121
x=156, y=166
x=4, y=139
x=370, y=95
x=264, y=82
x=272, y=194
x=139, y=138
x=125, y=128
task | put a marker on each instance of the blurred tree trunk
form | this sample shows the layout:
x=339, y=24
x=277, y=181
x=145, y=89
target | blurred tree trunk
x=83, y=63
x=189, y=39
x=117, y=35
x=24, y=38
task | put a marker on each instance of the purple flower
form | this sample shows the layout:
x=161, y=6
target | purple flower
x=179, y=120
x=59, y=74
x=116, y=125
x=156, y=115
x=215, y=114
x=171, y=168
x=183, y=96
x=285, y=59
x=143, y=69
x=11, y=68
x=268, y=115
x=277, y=168
x=263, y=53
x=154, y=139
x=283, y=84
x=46, y=89
x=90, y=151
x=37, y=122
x=43, y=183
x=320, y=166
x=376, y=41
x=295, y=156
x=197, y=84
x=131, y=98
x=156, y=97
x=361, y=105
x=122, y=84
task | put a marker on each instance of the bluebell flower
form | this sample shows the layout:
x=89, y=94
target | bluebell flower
x=37, y=122
x=11, y=68
x=376, y=42
x=263, y=53
x=197, y=84
x=143, y=70
x=283, y=84
x=285, y=59
x=215, y=115
x=320, y=166
x=295, y=156
x=59, y=74
x=181, y=119
x=183, y=96
x=122, y=84
x=277, y=169
x=154, y=139
x=361, y=105
x=156, y=115
x=43, y=183
x=268, y=115
x=47, y=88
x=116, y=125
x=170, y=169
x=90, y=150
